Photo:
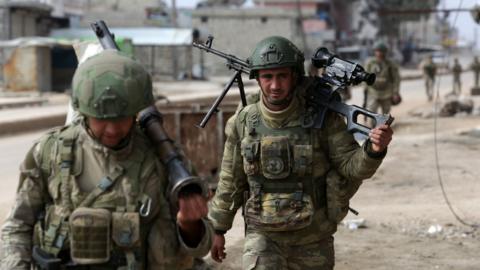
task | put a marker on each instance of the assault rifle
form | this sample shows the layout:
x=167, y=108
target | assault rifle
x=321, y=95
x=182, y=182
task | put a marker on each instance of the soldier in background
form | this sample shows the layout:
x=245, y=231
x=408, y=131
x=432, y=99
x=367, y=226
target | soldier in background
x=92, y=194
x=475, y=67
x=457, y=72
x=429, y=73
x=385, y=92
x=287, y=177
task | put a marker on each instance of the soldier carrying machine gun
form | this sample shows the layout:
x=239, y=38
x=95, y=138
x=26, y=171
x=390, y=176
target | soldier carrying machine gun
x=322, y=95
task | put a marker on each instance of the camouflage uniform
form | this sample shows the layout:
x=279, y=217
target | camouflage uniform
x=429, y=72
x=92, y=206
x=475, y=67
x=457, y=83
x=387, y=84
x=290, y=180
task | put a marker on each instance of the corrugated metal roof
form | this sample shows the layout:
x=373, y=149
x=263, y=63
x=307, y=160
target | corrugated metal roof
x=139, y=36
x=34, y=5
x=34, y=41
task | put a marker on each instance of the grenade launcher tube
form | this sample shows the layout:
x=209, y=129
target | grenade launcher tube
x=180, y=179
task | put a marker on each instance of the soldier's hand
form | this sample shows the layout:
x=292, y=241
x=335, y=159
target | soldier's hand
x=380, y=137
x=218, y=248
x=191, y=207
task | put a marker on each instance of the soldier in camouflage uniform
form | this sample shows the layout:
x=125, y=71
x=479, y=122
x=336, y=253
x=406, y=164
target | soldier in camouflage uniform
x=457, y=72
x=386, y=88
x=475, y=67
x=294, y=183
x=92, y=194
x=429, y=72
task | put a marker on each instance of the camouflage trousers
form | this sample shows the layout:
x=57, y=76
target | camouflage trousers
x=373, y=104
x=263, y=253
x=429, y=87
x=457, y=86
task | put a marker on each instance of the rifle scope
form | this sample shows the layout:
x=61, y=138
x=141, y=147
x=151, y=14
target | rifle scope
x=343, y=70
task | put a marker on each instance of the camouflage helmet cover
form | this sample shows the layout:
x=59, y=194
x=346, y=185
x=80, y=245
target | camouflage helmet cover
x=380, y=46
x=111, y=85
x=275, y=52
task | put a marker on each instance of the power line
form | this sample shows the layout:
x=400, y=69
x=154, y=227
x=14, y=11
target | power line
x=437, y=162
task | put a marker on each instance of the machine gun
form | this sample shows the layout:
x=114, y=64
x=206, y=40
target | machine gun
x=321, y=95
x=181, y=181
x=234, y=63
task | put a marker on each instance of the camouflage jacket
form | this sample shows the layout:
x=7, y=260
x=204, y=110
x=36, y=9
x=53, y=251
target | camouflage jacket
x=333, y=148
x=475, y=66
x=387, y=82
x=429, y=69
x=457, y=71
x=141, y=176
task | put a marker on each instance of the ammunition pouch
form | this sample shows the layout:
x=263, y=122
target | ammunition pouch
x=90, y=236
x=266, y=210
x=276, y=159
x=126, y=229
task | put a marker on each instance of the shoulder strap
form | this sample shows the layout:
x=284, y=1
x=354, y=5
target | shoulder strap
x=103, y=185
x=68, y=138
x=246, y=118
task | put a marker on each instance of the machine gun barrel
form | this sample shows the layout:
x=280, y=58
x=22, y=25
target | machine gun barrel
x=240, y=66
x=233, y=62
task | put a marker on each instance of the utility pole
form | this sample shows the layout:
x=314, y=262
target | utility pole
x=174, y=14
x=300, y=26
x=174, y=47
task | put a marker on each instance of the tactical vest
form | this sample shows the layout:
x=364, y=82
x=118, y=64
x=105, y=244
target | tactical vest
x=278, y=164
x=95, y=230
x=430, y=70
x=384, y=74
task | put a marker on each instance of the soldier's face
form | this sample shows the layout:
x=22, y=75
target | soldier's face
x=110, y=132
x=379, y=54
x=276, y=85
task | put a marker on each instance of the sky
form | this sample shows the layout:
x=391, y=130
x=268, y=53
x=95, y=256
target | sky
x=461, y=20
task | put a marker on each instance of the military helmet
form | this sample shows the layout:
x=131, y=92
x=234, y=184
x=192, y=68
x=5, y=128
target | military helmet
x=380, y=46
x=111, y=85
x=275, y=52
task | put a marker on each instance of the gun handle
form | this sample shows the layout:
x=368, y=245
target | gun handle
x=352, y=119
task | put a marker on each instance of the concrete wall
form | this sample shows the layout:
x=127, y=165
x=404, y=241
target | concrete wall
x=15, y=23
x=29, y=69
x=168, y=62
x=4, y=23
x=238, y=31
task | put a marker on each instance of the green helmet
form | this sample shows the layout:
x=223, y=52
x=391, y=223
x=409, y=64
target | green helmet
x=275, y=52
x=380, y=46
x=111, y=85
